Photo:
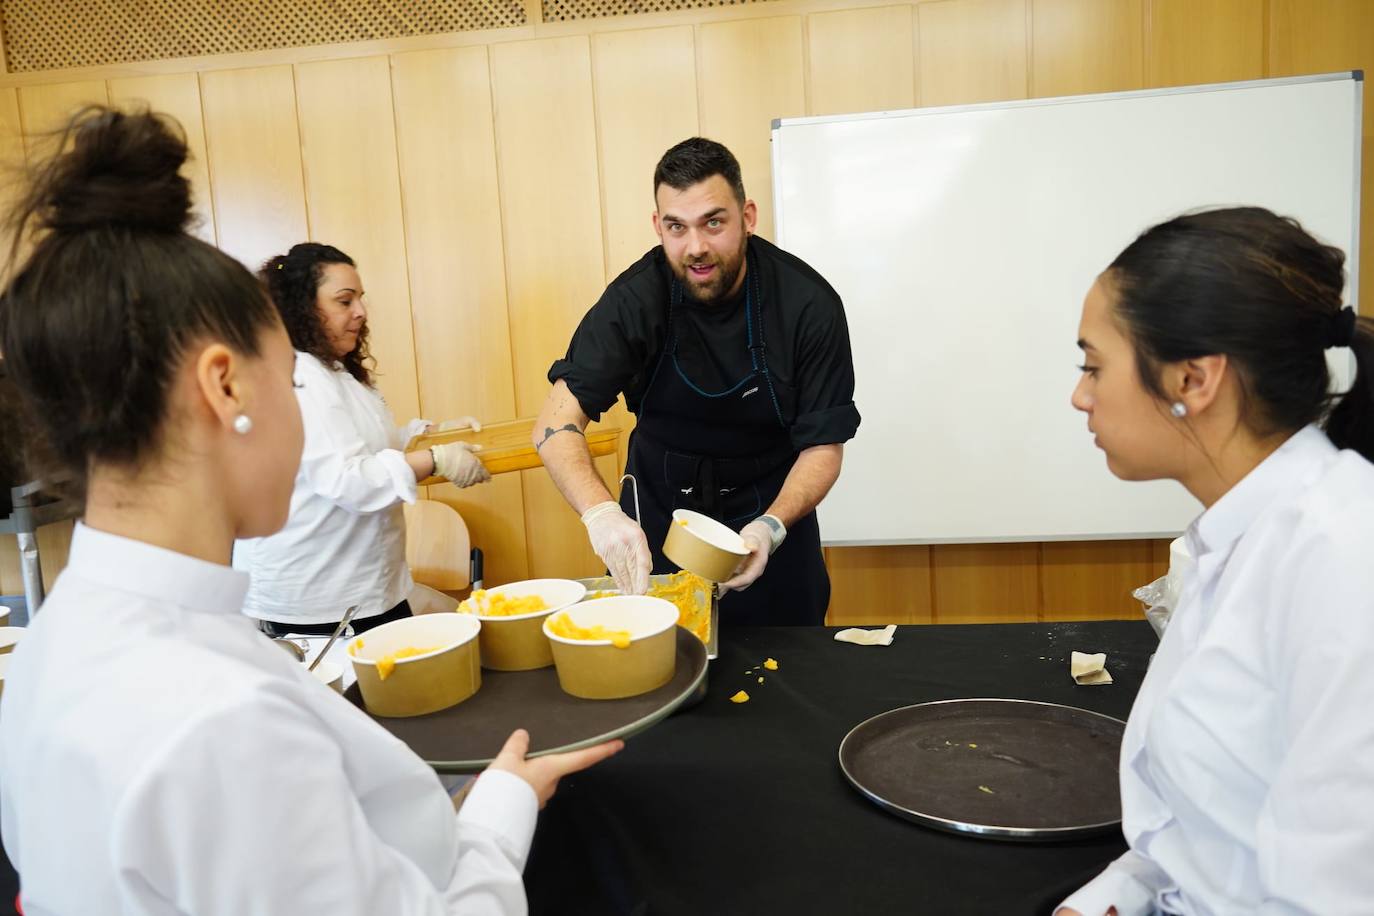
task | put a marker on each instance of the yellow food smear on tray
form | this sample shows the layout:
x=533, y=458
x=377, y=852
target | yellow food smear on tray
x=563, y=626
x=387, y=663
x=691, y=594
x=501, y=605
x=592, y=596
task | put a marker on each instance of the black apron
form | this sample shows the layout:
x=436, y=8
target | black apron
x=725, y=454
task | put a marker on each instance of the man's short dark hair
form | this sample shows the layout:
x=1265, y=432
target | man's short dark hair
x=695, y=160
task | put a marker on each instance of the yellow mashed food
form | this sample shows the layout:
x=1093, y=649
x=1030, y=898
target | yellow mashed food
x=563, y=626
x=387, y=663
x=689, y=593
x=486, y=604
x=740, y=697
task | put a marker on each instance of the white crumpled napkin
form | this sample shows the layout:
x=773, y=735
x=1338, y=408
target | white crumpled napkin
x=1089, y=670
x=860, y=637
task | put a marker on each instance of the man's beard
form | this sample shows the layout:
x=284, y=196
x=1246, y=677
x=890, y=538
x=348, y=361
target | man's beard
x=727, y=272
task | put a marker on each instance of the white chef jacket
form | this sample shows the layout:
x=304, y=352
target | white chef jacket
x=344, y=541
x=158, y=755
x=1247, y=767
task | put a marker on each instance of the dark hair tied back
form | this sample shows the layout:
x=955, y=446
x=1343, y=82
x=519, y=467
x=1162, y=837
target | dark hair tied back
x=112, y=154
x=1260, y=289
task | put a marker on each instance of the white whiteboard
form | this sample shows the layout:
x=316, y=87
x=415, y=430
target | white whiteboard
x=963, y=240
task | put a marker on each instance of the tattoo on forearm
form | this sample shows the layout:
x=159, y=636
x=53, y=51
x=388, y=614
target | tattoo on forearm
x=550, y=432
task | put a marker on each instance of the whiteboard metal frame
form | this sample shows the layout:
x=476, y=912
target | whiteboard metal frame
x=1352, y=256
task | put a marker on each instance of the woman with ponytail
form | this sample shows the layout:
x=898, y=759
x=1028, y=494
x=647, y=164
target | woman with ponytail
x=344, y=542
x=158, y=754
x=1247, y=767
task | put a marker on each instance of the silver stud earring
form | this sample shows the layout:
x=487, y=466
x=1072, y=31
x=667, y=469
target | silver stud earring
x=243, y=424
x=1179, y=409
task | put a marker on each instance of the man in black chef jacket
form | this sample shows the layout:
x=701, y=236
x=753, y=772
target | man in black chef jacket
x=734, y=357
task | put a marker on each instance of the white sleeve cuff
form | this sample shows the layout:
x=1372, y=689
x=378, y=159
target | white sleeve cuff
x=401, y=474
x=1118, y=886
x=506, y=805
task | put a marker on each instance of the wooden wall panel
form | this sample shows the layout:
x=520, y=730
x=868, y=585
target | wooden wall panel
x=447, y=149
x=986, y=583
x=879, y=585
x=1324, y=36
x=637, y=120
x=558, y=545
x=1094, y=580
x=1204, y=41
x=177, y=94
x=353, y=197
x=861, y=60
x=972, y=51
x=45, y=108
x=555, y=259
x=1081, y=46
x=253, y=143
x=750, y=72
x=12, y=168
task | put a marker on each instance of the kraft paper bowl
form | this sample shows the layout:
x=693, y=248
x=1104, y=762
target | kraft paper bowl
x=700, y=544
x=421, y=684
x=517, y=643
x=329, y=674
x=9, y=638
x=596, y=669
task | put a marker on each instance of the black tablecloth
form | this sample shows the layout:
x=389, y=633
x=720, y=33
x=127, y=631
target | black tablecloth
x=741, y=808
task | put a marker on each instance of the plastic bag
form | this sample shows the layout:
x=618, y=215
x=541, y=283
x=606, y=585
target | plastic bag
x=1154, y=596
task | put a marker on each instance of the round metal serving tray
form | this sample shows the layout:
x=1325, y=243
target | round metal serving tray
x=996, y=768
x=465, y=738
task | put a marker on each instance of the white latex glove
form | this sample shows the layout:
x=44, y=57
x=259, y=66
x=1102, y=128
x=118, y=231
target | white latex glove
x=620, y=543
x=457, y=464
x=460, y=423
x=758, y=537
x=416, y=427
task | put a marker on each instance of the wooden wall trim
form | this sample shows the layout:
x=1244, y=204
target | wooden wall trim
x=446, y=40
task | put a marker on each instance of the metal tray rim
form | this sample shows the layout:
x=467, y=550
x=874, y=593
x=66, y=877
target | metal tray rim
x=989, y=831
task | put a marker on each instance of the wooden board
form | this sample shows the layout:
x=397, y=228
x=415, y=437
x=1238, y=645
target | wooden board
x=509, y=447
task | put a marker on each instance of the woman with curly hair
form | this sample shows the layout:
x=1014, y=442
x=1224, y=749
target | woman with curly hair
x=344, y=542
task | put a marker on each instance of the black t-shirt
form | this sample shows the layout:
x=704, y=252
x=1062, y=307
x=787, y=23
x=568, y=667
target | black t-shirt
x=619, y=341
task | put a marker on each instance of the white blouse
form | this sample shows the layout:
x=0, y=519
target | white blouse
x=1247, y=767
x=158, y=755
x=344, y=541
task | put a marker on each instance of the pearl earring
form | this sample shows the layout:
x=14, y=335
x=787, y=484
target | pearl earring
x=243, y=424
x=1179, y=409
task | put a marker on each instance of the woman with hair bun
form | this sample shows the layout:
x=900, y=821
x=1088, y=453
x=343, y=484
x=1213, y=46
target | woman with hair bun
x=344, y=541
x=158, y=754
x=1247, y=767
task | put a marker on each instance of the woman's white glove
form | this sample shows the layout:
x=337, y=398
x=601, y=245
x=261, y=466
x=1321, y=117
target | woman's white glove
x=460, y=423
x=621, y=545
x=457, y=464
x=416, y=427
x=761, y=540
